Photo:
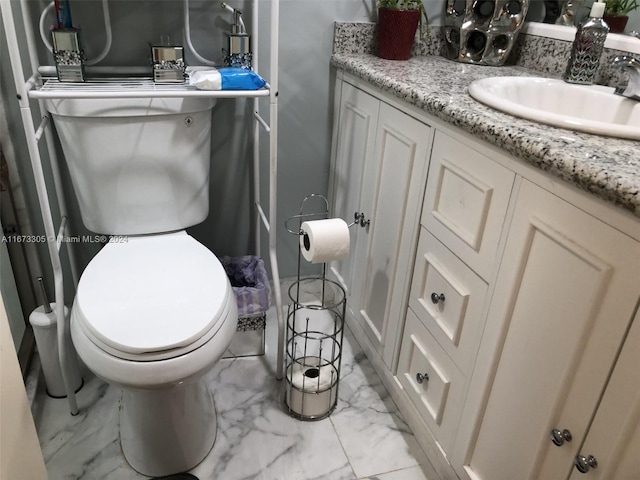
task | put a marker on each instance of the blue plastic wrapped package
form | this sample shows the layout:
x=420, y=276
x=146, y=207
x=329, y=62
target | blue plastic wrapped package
x=228, y=78
x=234, y=78
x=250, y=283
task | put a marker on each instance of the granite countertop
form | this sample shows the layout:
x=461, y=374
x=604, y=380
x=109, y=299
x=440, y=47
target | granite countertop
x=606, y=167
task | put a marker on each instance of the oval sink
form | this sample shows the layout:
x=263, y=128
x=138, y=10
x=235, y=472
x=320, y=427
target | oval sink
x=585, y=108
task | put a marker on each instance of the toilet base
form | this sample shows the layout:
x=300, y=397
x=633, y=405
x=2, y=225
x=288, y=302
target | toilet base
x=167, y=431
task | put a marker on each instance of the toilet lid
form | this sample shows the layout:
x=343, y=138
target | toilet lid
x=151, y=294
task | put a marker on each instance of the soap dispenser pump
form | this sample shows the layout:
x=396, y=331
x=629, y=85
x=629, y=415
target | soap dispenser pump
x=238, y=51
x=587, y=47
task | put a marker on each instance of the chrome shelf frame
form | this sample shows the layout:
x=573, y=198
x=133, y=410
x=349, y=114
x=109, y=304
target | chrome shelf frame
x=37, y=87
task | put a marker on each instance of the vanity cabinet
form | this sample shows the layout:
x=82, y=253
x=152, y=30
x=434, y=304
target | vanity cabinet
x=565, y=294
x=523, y=292
x=379, y=171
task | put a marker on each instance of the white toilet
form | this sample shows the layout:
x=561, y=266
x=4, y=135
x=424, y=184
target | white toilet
x=154, y=309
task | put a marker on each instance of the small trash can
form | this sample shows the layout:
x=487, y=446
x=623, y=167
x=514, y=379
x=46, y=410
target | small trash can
x=251, y=287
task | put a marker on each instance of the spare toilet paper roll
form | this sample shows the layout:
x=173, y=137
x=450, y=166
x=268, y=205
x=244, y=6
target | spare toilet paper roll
x=323, y=241
x=312, y=389
x=306, y=375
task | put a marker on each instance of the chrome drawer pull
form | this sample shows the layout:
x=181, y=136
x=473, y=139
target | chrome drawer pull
x=435, y=298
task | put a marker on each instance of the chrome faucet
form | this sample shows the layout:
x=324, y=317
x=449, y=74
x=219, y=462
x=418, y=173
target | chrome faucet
x=632, y=66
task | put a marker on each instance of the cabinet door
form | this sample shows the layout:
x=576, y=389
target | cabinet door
x=391, y=198
x=614, y=436
x=355, y=144
x=566, y=291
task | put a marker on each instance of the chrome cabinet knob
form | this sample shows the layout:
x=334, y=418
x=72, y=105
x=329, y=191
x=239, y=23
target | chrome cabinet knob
x=584, y=464
x=422, y=377
x=358, y=218
x=437, y=298
x=559, y=437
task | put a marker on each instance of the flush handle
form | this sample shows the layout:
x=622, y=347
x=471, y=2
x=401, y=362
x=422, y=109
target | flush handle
x=559, y=437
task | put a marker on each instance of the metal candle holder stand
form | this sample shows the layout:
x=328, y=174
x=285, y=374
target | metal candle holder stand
x=315, y=328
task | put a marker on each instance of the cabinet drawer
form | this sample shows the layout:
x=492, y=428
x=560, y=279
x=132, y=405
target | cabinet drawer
x=433, y=383
x=466, y=201
x=448, y=297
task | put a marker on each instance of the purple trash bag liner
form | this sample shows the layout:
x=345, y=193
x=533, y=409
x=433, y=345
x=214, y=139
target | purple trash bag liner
x=250, y=283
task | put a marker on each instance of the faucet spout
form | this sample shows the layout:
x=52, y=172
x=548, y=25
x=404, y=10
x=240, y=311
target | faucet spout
x=632, y=66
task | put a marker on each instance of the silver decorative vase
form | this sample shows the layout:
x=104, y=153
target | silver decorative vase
x=482, y=31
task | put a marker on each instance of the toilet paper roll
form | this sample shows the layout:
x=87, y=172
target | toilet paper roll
x=323, y=241
x=311, y=390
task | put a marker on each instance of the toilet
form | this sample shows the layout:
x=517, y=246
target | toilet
x=154, y=310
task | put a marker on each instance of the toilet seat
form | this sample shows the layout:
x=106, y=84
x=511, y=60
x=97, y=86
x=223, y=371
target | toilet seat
x=152, y=297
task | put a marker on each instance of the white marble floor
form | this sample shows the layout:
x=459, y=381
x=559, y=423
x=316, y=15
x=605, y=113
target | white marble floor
x=364, y=438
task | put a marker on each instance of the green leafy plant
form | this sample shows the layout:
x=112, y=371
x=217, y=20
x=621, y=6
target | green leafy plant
x=620, y=7
x=413, y=5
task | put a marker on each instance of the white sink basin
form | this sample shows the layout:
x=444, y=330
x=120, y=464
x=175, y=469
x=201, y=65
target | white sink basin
x=585, y=108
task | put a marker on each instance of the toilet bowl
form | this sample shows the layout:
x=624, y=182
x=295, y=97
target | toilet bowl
x=154, y=309
x=152, y=315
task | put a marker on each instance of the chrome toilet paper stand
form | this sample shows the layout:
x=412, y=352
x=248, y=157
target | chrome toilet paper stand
x=314, y=330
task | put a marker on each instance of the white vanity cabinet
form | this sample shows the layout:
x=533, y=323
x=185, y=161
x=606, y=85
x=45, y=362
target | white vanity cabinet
x=379, y=171
x=565, y=294
x=523, y=291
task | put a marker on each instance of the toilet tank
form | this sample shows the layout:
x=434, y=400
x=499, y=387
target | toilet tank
x=138, y=165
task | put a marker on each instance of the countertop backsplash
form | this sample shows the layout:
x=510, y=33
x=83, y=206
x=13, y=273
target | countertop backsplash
x=541, y=54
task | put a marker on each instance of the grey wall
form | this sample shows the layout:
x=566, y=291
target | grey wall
x=305, y=100
x=305, y=103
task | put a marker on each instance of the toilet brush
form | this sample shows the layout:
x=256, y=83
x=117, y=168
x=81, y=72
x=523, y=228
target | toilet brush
x=45, y=330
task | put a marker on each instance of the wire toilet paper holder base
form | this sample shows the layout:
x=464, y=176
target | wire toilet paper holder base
x=314, y=332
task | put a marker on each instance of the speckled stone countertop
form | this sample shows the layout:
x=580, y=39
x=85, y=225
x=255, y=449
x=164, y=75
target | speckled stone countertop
x=606, y=167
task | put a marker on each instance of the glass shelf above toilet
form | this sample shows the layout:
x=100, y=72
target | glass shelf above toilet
x=133, y=88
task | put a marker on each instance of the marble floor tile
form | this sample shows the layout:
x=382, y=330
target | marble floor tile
x=256, y=440
x=372, y=432
x=412, y=473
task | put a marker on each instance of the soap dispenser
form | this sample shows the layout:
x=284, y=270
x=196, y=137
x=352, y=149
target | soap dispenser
x=587, y=47
x=238, y=51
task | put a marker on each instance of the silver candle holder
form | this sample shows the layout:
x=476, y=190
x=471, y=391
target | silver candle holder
x=482, y=31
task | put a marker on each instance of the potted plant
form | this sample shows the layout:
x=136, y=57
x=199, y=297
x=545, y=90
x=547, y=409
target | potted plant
x=397, y=23
x=615, y=14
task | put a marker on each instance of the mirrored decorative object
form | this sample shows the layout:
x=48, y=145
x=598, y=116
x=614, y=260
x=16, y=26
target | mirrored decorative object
x=482, y=31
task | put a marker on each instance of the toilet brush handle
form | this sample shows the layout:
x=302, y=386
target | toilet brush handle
x=43, y=293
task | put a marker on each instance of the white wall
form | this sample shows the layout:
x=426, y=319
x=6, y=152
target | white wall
x=20, y=454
